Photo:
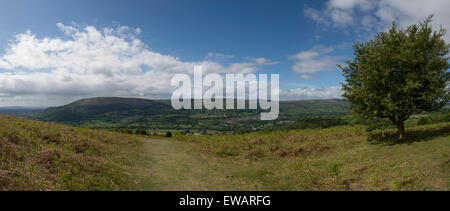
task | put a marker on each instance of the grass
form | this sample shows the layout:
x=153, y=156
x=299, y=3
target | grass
x=174, y=165
x=48, y=156
x=338, y=158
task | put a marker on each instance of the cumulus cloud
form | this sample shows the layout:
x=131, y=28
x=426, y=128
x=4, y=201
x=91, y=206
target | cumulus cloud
x=94, y=62
x=366, y=17
x=314, y=60
x=334, y=92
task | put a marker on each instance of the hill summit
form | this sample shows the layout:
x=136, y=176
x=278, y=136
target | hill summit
x=104, y=101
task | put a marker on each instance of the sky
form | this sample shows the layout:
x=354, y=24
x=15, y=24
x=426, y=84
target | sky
x=55, y=52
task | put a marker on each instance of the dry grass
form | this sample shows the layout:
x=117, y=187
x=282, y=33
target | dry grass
x=47, y=156
x=338, y=158
x=294, y=143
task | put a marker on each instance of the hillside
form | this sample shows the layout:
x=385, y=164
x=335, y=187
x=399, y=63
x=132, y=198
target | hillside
x=112, y=112
x=48, y=156
x=337, y=158
x=111, y=108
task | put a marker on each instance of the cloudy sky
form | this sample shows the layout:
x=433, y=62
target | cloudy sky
x=54, y=52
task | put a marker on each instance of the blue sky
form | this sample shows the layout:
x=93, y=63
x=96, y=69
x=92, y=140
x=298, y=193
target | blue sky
x=301, y=40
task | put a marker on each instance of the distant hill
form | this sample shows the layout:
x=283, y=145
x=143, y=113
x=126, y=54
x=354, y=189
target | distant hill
x=106, y=101
x=106, y=108
x=26, y=112
x=114, y=112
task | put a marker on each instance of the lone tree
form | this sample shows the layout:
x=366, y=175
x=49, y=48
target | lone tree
x=398, y=74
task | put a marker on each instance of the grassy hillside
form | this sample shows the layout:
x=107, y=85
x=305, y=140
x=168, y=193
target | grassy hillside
x=112, y=112
x=337, y=158
x=49, y=156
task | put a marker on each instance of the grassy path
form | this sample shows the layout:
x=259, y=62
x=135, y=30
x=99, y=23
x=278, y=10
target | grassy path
x=175, y=165
x=348, y=163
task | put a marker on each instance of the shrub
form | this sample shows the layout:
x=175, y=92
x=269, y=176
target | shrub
x=371, y=127
x=378, y=125
x=141, y=132
x=127, y=130
x=446, y=118
x=316, y=123
x=168, y=134
x=423, y=120
x=334, y=169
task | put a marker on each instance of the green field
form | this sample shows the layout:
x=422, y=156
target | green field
x=158, y=115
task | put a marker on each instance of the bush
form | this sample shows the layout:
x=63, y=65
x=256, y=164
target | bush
x=316, y=123
x=141, y=132
x=168, y=134
x=423, y=120
x=446, y=118
x=371, y=127
x=379, y=125
x=127, y=130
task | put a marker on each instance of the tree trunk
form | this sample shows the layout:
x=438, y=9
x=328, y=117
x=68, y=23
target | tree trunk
x=401, y=130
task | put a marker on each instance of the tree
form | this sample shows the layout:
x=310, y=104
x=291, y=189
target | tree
x=141, y=132
x=399, y=73
x=168, y=134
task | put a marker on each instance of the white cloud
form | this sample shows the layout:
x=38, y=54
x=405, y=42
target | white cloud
x=367, y=17
x=305, y=76
x=219, y=56
x=93, y=62
x=333, y=92
x=316, y=15
x=261, y=61
x=314, y=60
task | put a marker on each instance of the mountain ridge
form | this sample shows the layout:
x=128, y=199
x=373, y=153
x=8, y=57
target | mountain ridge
x=116, y=112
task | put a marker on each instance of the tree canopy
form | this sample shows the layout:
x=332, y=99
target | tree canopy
x=399, y=73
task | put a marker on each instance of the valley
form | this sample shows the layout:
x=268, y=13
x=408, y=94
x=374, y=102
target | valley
x=159, y=116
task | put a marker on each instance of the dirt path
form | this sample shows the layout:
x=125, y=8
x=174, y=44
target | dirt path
x=175, y=165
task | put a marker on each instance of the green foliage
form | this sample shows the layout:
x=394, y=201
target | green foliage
x=423, y=120
x=394, y=185
x=141, y=132
x=127, y=130
x=168, y=134
x=316, y=122
x=435, y=117
x=378, y=125
x=334, y=169
x=398, y=74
